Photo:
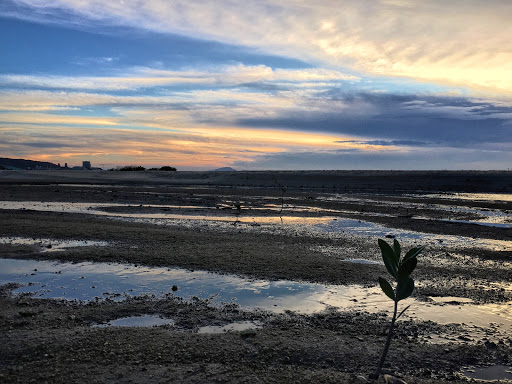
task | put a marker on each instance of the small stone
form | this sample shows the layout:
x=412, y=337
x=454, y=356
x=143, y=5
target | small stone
x=174, y=288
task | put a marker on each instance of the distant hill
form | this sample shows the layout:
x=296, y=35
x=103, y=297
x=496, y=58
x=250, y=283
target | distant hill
x=224, y=169
x=7, y=163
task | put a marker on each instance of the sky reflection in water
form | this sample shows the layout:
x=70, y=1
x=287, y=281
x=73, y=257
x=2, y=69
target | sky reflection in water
x=95, y=281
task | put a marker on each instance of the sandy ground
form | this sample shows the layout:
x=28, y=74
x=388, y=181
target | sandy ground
x=53, y=341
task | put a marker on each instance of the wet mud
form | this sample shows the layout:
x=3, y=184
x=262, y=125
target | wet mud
x=254, y=230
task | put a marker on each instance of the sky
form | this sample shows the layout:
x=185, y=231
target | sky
x=258, y=84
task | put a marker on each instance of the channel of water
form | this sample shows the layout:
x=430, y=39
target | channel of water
x=317, y=225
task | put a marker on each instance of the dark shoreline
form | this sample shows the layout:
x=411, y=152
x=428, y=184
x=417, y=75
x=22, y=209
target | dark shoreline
x=341, y=181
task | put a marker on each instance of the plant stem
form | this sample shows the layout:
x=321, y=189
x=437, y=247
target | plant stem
x=376, y=374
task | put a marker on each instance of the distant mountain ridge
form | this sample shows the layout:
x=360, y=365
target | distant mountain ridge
x=224, y=169
x=7, y=163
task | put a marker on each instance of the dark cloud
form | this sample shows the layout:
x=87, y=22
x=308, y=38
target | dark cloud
x=418, y=159
x=393, y=119
x=48, y=145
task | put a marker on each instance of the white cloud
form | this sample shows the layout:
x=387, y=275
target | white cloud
x=457, y=42
x=148, y=77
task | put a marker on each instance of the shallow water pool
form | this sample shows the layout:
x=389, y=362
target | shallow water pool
x=89, y=281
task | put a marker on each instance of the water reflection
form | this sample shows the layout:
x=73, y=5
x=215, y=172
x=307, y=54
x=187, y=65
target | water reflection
x=51, y=245
x=317, y=225
x=119, y=211
x=96, y=281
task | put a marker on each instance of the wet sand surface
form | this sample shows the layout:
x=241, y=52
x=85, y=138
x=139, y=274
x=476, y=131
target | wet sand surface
x=274, y=226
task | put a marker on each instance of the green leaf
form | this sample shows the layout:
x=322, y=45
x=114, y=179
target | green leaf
x=404, y=289
x=413, y=252
x=389, y=257
x=386, y=288
x=397, y=249
x=406, y=268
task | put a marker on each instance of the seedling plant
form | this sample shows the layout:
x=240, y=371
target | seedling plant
x=400, y=269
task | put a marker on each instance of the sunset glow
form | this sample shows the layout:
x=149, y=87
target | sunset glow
x=258, y=85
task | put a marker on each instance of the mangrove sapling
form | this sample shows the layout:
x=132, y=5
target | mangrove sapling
x=238, y=207
x=401, y=270
x=283, y=191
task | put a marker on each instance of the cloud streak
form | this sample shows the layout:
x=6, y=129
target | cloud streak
x=193, y=148
x=149, y=77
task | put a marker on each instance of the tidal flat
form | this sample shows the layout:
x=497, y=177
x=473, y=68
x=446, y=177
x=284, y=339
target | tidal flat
x=247, y=277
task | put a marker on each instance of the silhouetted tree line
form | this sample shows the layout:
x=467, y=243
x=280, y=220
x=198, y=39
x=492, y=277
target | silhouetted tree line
x=132, y=168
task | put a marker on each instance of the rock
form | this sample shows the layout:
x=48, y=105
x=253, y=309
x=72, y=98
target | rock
x=393, y=380
x=490, y=345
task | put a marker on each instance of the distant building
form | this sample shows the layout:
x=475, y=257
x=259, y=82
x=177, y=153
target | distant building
x=86, y=165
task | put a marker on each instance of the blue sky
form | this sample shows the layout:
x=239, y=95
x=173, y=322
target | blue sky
x=384, y=84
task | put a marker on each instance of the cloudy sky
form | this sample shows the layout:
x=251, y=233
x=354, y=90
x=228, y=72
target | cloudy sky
x=288, y=84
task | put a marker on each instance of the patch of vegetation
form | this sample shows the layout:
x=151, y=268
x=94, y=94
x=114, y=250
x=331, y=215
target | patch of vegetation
x=164, y=168
x=131, y=168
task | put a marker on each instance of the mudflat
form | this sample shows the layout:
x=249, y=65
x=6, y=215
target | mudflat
x=272, y=226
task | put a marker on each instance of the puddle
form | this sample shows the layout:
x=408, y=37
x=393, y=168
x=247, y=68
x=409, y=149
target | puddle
x=89, y=281
x=97, y=281
x=494, y=373
x=52, y=245
x=137, y=321
x=238, y=326
x=488, y=217
x=364, y=228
